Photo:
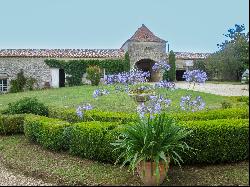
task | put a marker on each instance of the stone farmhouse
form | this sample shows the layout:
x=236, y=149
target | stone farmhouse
x=144, y=50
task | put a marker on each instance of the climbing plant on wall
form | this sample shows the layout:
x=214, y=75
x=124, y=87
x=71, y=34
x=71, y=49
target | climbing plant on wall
x=76, y=68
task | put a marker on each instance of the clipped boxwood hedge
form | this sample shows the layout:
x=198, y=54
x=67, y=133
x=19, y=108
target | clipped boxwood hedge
x=48, y=132
x=217, y=141
x=70, y=115
x=11, y=124
x=92, y=140
x=229, y=113
x=222, y=140
x=91, y=115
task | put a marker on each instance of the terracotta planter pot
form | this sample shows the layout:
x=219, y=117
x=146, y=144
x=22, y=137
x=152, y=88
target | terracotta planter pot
x=141, y=97
x=148, y=179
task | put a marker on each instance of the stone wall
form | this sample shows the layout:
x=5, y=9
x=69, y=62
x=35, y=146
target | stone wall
x=146, y=50
x=32, y=67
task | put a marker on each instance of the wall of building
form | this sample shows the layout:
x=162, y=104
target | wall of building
x=32, y=67
x=146, y=50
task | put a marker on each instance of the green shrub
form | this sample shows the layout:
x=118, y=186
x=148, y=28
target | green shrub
x=171, y=74
x=11, y=124
x=217, y=141
x=48, y=132
x=238, y=113
x=64, y=114
x=91, y=140
x=94, y=75
x=27, y=105
x=91, y=115
x=226, y=104
x=18, y=84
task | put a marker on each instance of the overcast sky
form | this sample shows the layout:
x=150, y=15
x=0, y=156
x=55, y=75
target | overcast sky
x=187, y=25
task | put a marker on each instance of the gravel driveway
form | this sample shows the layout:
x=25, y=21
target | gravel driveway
x=8, y=178
x=218, y=89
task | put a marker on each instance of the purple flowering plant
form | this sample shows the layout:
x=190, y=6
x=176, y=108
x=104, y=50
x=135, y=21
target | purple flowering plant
x=154, y=106
x=165, y=84
x=195, y=76
x=100, y=92
x=81, y=109
x=189, y=104
x=161, y=65
x=134, y=76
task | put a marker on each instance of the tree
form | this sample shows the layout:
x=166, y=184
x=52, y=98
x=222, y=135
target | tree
x=171, y=74
x=233, y=56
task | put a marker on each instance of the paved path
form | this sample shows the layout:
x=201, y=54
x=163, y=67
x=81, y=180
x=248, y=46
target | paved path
x=218, y=89
x=8, y=178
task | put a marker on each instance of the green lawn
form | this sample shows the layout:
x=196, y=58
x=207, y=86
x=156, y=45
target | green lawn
x=60, y=168
x=73, y=96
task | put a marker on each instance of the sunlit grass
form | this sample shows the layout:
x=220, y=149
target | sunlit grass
x=71, y=97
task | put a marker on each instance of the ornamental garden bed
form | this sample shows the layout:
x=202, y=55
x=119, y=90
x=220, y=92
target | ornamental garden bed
x=88, y=130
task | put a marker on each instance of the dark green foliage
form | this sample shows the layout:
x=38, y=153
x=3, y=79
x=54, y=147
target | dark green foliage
x=11, y=124
x=232, y=59
x=126, y=62
x=88, y=140
x=226, y=104
x=27, y=105
x=94, y=75
x=171, y=74
x=199, y=64
x=74, y=80
x=48, y=132
x=76, y=68
x=217, y=141
x=18, y=84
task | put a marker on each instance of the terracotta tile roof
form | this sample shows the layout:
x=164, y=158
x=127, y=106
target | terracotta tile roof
x=63, y=53
x=188, y=55
x=143, y=34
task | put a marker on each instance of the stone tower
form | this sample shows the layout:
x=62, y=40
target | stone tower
x=144, y=50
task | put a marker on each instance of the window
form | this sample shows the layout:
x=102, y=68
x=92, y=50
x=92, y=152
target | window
x=3, y=85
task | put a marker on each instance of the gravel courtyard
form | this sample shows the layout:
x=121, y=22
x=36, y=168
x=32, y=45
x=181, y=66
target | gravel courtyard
x=218, y=89
x=8, y=178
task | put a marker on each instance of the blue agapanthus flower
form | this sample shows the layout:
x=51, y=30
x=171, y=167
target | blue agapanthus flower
x=80, y=109
x=195, y=76
x=188, y=104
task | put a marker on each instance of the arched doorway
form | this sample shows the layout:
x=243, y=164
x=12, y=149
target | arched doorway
x=146, y=65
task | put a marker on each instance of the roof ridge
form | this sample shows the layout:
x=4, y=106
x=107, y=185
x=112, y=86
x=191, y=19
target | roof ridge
x=143, y=34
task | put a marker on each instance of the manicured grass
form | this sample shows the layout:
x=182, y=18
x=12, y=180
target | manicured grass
x=73, y=96
x=60, y=168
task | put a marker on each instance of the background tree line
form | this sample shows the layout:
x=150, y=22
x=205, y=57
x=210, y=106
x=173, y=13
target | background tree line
x=232, y=58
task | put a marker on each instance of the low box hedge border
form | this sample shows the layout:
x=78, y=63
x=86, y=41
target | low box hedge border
x=70, y=115
x=46, y=131
x=11, y=124
x=217, y=141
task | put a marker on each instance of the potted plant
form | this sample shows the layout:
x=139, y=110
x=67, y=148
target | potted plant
x=141, y=92
x=150, y=144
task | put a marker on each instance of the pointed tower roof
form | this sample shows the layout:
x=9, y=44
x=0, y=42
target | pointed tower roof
x=143, y=34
